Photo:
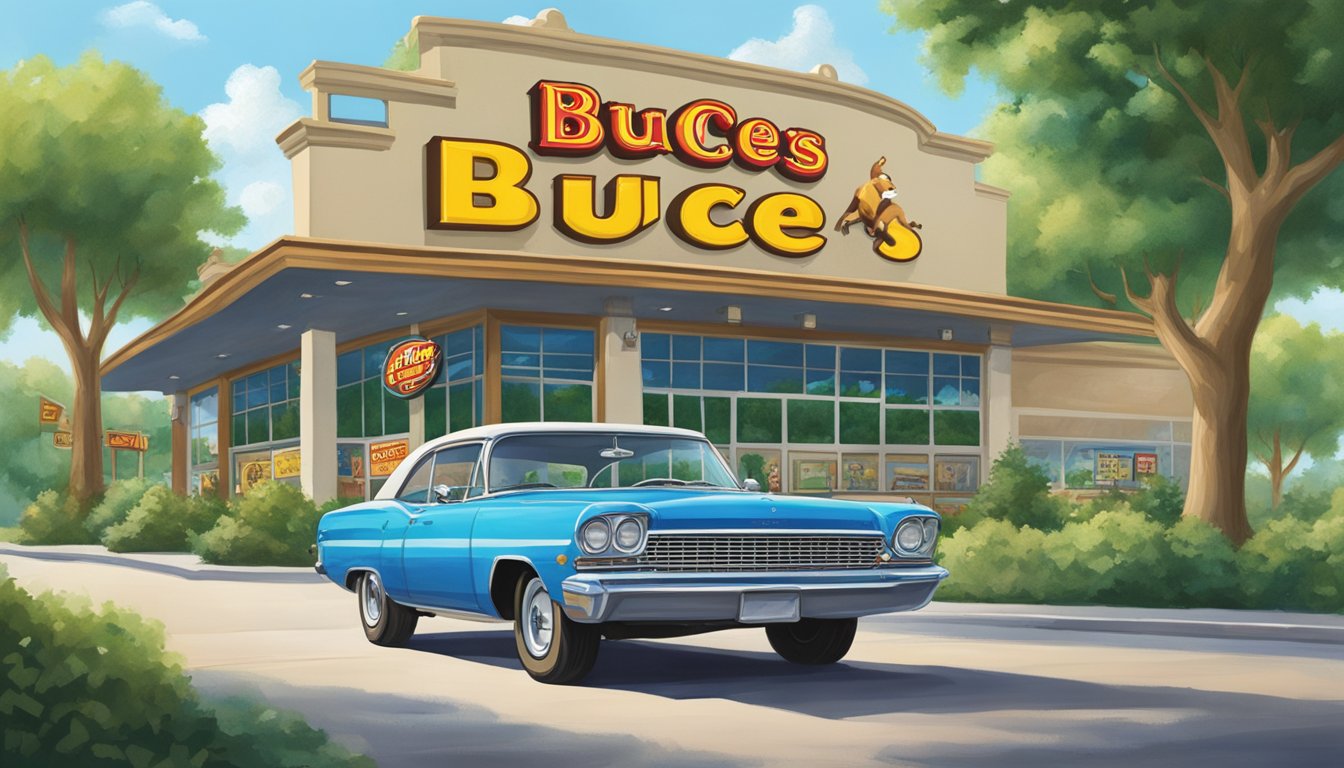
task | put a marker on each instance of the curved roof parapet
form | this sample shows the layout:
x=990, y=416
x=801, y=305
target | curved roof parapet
x=549, y=35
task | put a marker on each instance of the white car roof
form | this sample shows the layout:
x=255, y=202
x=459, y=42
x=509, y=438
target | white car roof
x=492, y=431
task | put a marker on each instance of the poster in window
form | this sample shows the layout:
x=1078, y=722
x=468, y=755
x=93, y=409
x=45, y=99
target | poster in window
x=1145, y=464
x=385, y=456
x=950, y=505
x=812, y=473
x=252, y=469
x=761, y=465
x=286, y=463
x=207, y=483
x=907, y=472
x=860, y=472
x=1112, y=467
x=958, y=474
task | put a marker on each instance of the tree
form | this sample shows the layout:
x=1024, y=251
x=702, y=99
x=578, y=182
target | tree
x=104, y=190
x=1185, y=133
x=1297, y=397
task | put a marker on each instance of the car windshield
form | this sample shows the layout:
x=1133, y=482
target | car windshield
x=604, y=460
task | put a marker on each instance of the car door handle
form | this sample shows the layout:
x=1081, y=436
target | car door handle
x=427, y=522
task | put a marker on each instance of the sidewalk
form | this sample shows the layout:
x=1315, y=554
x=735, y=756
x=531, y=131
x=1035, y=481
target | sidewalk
x=183, y=565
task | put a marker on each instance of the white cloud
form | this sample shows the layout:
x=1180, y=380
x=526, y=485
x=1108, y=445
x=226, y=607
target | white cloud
x=256, y=174
x=145, y=14
x=1325, y=306
x=518, y=21
x=809, y=43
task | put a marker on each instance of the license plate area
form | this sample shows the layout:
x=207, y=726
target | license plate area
x=768, y=608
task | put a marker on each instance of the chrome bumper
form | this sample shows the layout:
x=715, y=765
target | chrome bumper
x=593, y=598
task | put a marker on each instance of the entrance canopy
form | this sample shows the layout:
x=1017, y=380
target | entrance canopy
x=258, y=310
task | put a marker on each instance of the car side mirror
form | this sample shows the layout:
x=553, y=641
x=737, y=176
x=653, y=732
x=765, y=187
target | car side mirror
x=444, y=494
x=750, y=484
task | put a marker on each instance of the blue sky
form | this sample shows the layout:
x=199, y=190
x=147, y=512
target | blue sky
x=237, y=63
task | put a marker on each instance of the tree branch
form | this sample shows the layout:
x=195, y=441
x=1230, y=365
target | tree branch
x=69, y=293
x=1109, y=298
x=127, y=286
x=1144, y=305
x=1310, y=172
x=1226, y=130
x=1288, y=468
x=45, y=304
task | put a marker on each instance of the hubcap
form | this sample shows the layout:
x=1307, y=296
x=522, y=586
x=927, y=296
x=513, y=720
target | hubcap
x=537, y=619
x=372, y=599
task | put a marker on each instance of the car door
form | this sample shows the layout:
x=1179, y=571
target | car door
x=436, y=556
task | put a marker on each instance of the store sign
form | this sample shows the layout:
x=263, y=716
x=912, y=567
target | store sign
x=1111, y=467
x=286, y=463
x=49, y=411
x=63, y=439
x=571, y=120
x=384, y=457
x=1145, y=463
x=126, y=441
x=411, y=366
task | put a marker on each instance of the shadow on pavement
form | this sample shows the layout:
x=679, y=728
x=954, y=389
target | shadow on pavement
x=1077, y=722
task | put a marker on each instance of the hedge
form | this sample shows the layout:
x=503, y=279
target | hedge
x=95, y=688
x=272, y=524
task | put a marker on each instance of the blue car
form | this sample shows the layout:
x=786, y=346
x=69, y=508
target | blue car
x=576, y=532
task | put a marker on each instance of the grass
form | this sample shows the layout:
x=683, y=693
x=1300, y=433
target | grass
x=11, y=534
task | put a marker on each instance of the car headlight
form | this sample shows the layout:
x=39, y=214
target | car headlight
x=909, y=537
x=595, y=536
x=629, y=532
x=930, y=534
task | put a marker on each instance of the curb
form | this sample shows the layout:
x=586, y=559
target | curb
x=170, y=564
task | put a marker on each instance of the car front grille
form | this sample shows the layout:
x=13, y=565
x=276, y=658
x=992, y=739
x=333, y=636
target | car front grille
x=701, y=553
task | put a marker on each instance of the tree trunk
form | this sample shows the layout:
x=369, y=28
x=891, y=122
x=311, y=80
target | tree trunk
x=1217, y=490
x=86, y=455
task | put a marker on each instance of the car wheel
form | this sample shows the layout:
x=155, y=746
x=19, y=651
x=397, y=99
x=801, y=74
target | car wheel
x=813, y=641
x=552, y=647
x=385, y=622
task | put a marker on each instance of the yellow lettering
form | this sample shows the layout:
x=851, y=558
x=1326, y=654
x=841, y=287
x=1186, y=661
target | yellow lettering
x=631, y=206
x=689, y=217
x=459, y=198
x=786, y=224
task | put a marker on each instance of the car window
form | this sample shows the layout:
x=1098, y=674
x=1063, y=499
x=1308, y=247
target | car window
x=416, y=488
x=604, y=460
x=456, y=467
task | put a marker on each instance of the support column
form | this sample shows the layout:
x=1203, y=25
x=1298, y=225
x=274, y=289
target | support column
x=416, y=406
x=317, y=415
x=181, y=447
x=621, y=383
x=997, y=397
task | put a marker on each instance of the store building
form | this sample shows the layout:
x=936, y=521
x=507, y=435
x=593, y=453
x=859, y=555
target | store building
x=598, y=230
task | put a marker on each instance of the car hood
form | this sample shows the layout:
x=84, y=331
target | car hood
x=708, y=509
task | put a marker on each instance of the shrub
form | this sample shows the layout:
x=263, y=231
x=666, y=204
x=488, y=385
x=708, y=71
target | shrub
x=1117, y=557
x=334, y=504
x=162, y=522
x=1306, y=504
x=1204, y=567
x=96, y=688
x=54, y=519
x=117, y=503
x=993, y=561
x=272, y=524
x=1292, y=564
x=1018, y=492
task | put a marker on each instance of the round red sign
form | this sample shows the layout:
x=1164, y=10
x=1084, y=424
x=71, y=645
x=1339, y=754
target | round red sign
x=411, y=366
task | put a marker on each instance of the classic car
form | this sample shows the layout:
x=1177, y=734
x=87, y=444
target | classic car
x=579, y=532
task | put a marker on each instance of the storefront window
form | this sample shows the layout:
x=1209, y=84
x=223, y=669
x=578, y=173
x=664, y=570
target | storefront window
x=456, y=401
x=1085, y=451
x=364, y=407
x=818, y=414
x=266, y=406
x=546, y=374
x=203, y=429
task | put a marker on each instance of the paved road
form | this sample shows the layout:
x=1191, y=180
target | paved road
x=954, y=685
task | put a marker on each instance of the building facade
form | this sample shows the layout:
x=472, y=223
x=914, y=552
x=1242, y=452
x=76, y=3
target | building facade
x=805, y=270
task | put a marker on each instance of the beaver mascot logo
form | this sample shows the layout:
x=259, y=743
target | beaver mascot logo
x=874, y=203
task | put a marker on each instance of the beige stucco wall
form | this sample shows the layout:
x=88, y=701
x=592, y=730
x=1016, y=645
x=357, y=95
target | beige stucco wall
x=1101, y=377
x=378, y=194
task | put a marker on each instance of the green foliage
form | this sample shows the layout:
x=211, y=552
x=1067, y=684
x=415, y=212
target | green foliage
x=338, y=503
x=162, y=521
x=11, y=535
x=87, y=687
x=1017, y=492
x=1124, y=557
x=1159, y=498
x=272, y=524
x=1297, y=391
x=54, y=518
x=1103, y=157
x=118, y=501
x=405, y=55
x=32, y=464
x=95, y=153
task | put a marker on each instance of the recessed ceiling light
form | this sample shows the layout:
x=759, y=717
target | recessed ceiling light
x=222, y=355
x=174, y=377
x=284, y=326
x=305, y=295
x=402, y=314
x=342, y=283
x=664, y=309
